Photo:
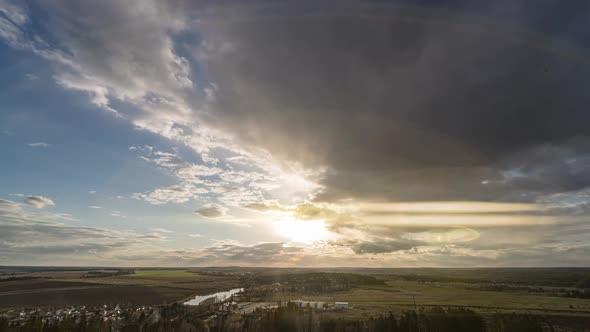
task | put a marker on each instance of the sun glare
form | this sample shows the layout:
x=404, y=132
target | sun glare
x=302, y=231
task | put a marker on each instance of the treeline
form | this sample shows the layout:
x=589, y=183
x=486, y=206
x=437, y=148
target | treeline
x=104, y=274
x=577, y=293
x=20, y=278
x=313, y=282
x=580, y=293
x=290, y=319
x=293, y=319
x=549, y=277
x=435, y=279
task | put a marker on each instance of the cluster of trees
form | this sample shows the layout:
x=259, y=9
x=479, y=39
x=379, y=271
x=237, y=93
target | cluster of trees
x=314, y=282
x=518, y=288
x=104, y=274
x=578, y=293
x=37, y=323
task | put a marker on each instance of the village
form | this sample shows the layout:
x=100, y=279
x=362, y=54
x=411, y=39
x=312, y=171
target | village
x=112, y=315
x=115, y=316
x=321, y=305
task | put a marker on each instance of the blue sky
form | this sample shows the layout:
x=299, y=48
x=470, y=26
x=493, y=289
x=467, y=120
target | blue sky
x=80, y=157
x=375, y=134
x=82, y=143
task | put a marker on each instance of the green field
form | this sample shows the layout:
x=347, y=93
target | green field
x=400, y=295
x=163, y=274
x=397, y=295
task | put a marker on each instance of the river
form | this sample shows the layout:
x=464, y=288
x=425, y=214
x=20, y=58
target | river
x=219, y=296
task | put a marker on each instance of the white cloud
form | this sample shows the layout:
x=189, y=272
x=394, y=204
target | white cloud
x=173, y=194
x=99, y=94
x=161, y=230
x=31, y=77
x=95, y=207
x=232, y=187
x=139, y=66
x=39, y=145
x=16, y=17
x=117, y=214
x=195, y=235
x=570, y=199
x=27, y=237
x=152, y=236
x=15, y=13
x=39, y=202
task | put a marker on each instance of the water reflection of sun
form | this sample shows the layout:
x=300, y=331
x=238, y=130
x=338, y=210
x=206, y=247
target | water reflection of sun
x=302, y=231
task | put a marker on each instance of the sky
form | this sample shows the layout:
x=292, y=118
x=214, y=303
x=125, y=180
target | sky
x=365, y=134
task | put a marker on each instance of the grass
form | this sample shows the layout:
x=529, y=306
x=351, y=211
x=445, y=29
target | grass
x=396, y=296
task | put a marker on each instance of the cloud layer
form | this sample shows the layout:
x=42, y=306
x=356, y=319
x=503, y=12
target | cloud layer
x=416, y=135
x=407, y=105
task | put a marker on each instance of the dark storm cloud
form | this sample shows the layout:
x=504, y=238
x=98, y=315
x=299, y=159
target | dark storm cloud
x=211, y=211
x=561, y=167
x=380, y=247
x=405, y=105
x=523, y=175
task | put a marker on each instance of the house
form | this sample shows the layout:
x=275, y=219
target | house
x=341, y=305
x=308, y=304
x=317, y=305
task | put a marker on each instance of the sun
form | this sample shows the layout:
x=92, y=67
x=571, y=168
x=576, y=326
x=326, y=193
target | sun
x=302, y=231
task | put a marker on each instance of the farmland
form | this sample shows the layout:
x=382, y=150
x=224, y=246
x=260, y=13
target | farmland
x=370, y=293
x=89, y=287
x=163, y=274
x=395, y=293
